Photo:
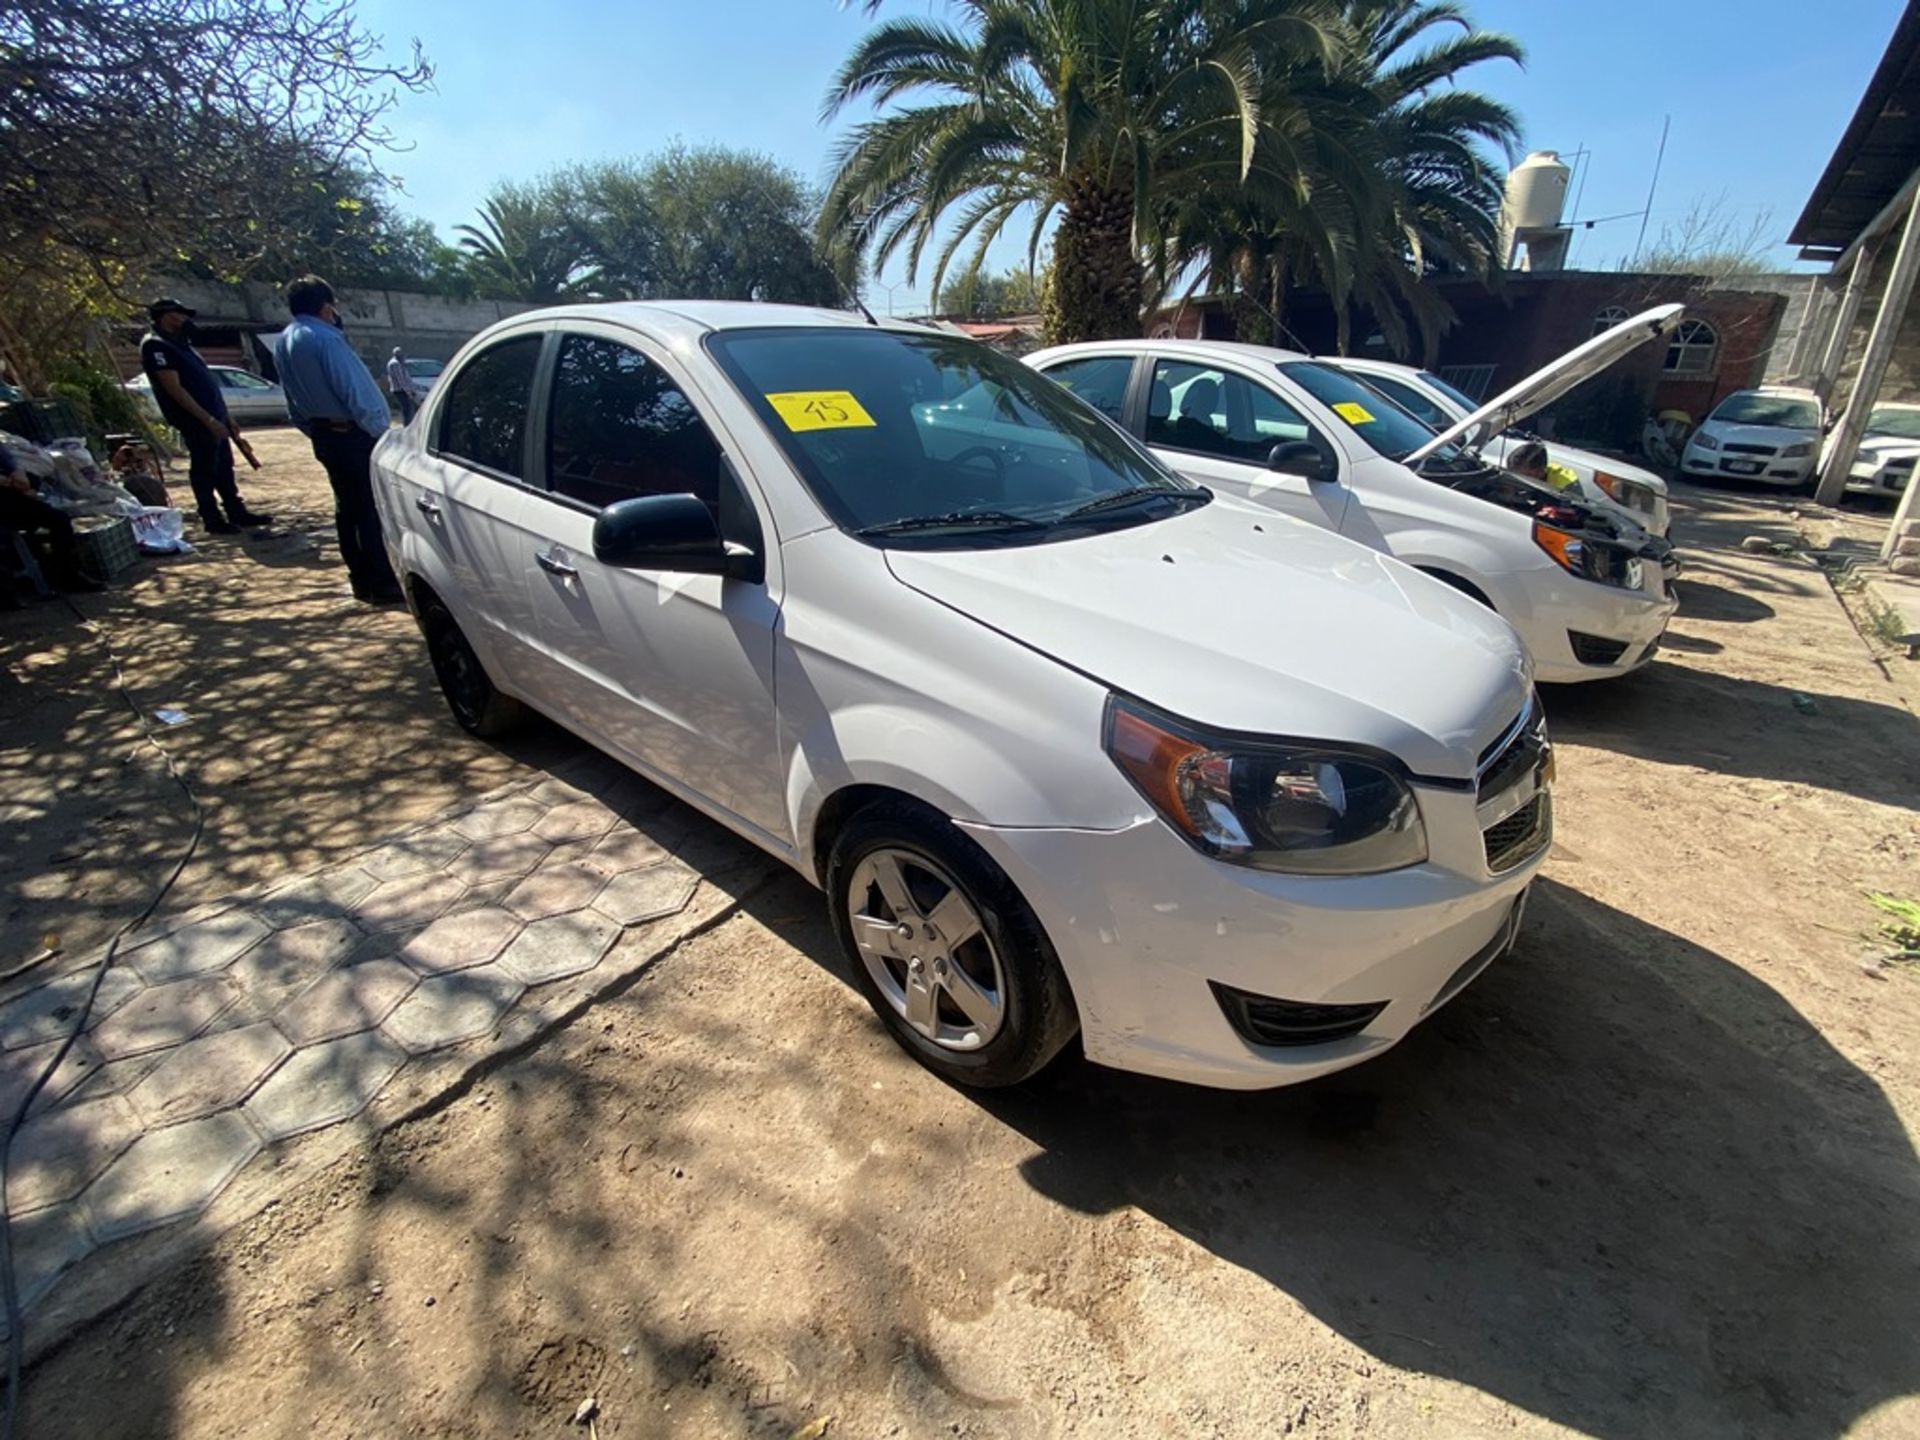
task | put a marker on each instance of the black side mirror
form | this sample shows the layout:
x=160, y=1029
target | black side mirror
x=665, y=532
x=1303, y=458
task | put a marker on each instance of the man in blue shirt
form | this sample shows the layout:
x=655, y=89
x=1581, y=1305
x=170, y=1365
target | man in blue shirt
x=333, y=398
x=189, y=398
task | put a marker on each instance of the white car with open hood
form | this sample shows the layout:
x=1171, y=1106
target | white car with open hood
x=1601, y=479
x=1586, y=587
x=1071, y=744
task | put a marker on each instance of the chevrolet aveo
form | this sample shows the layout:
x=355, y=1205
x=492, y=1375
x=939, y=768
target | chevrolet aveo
x=1073, y=746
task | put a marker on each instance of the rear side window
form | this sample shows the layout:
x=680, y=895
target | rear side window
x=619, y=427
x=483, y=420
x=1100, y=380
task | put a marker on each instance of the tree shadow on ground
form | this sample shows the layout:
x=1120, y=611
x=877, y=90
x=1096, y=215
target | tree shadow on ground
x=1712, y=1233
x=1680, y=715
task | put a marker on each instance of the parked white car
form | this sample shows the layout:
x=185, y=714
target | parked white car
x=1587, y=589
x=1883, y=466
x=1770, y=436
x=1601, y=478
x=938, y=636
x=250, y=399
x=424, y=372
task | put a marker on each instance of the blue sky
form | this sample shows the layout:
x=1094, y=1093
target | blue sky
x=1759, y=91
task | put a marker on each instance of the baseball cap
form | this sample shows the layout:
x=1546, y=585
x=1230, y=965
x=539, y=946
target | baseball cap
x=167, y=305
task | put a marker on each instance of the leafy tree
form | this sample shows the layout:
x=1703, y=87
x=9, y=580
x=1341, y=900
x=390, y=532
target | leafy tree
x=1017, y=292
x=528, y=244
x=141, y=132
x=732, y=225
x=1104, y=114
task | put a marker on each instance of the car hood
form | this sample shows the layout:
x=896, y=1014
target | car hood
x=1237, y=618
x=1549, y=383
x=1882, y=448
x=1777, y=435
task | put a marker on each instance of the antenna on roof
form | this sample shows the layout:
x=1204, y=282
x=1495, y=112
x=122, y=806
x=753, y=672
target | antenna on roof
x=861, y=306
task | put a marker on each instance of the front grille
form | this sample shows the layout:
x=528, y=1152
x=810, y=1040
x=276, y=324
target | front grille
x=1520, y=836
x=1751, y=449
x=1266, y=1021
x=1595, y=649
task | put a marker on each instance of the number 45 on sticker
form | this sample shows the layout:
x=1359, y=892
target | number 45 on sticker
x=804, y=410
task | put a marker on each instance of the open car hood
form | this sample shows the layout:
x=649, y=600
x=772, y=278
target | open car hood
x=1549, y=383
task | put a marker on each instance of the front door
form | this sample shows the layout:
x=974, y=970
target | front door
x=672, y=671
x=1217, y=427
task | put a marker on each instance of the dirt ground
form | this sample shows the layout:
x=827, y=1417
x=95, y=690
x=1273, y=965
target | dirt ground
x=1654, y=1175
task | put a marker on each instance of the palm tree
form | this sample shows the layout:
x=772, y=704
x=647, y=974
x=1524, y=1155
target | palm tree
x=1401, y=184
x=526, y=247
x=1103, y=113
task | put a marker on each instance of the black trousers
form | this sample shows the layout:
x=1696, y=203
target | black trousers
x=347, y=457
x=210, y=472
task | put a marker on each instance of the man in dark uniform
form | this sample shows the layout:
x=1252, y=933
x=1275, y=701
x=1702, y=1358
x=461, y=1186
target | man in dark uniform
x=189, y=398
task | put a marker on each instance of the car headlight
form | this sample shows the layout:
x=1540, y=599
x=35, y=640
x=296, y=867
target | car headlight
x=1299, y=809
x=1630, y=493
x=1797, y=452
x=1706, y=441
x=1605, y=564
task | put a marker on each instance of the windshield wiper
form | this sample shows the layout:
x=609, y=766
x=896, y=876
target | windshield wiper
x=955, y=520
x=1133, y=497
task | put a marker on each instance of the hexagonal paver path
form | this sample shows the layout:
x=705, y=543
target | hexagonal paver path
x=357, y=998
x=209, y=1074
x=55, y=1156
x=199, y=949
x=169, y=1174
x=324, y=1084
x=558, y=947
x=647, y=894
x=459, y=942
x=162, y=1016
x=238, y=1026
x=555, y=889
x=451, y=1008
x=48, y=1013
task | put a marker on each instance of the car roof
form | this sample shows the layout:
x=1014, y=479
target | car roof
x=1787, y=392
x=1377, y=367
x=696, y=317
x=1169, y=345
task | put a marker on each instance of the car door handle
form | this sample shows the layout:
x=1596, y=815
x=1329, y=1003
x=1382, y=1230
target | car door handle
x=556, y=566
x=427, y=508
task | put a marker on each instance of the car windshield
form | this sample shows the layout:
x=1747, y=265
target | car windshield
x=1459, y=397
x=1750, y=407
x=1900, y=421
x=1386, y=428
x=937, y=440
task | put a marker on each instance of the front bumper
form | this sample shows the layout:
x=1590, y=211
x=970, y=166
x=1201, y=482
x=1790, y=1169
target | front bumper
x=1560, y=629
x=1756, y=469
x=1147, y=929
x=1879, y=480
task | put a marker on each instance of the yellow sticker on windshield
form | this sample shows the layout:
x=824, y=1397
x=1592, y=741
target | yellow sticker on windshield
x=1353, y=414
x=805, y=410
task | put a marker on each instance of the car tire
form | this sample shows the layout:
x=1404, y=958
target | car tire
x=1009, y=960
x=478, y=707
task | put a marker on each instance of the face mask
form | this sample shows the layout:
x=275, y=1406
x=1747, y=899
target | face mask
x=339, y=320
x=187, y=330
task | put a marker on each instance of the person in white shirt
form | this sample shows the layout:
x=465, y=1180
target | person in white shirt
x=406, y=394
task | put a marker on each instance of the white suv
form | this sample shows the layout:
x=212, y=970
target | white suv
x=1071, y=744
x=1586, y=588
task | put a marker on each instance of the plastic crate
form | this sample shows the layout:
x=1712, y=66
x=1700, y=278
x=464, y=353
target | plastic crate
x=106, y=545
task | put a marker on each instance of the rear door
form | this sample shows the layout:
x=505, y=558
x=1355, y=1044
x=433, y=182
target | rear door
x=465, y=495
x=1217, y=426
x=672, y=671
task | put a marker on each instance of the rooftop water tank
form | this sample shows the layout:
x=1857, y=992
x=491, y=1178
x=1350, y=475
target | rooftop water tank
x=1537, y=192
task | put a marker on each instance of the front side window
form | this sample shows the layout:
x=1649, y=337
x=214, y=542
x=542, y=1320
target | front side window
x=483, y=420
x=1692, y=349
x=619, y=427
x=936, y=441
x=1216, y=412
x=1100, y=380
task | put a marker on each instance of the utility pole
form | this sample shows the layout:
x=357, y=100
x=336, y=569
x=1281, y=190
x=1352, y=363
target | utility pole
x=1647, y=214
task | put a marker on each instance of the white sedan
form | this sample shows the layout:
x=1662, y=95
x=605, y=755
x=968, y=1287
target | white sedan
x=1770, y=436
x=1586, y=587
x=929, y=630
x=250, y=400
x=1883, y=467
